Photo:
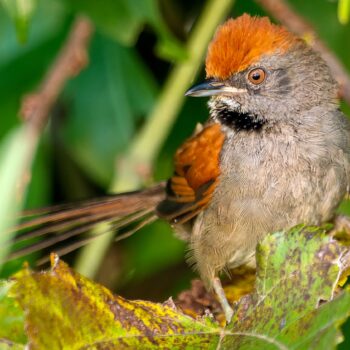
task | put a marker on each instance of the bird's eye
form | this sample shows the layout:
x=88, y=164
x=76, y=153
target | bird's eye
x=256, y=76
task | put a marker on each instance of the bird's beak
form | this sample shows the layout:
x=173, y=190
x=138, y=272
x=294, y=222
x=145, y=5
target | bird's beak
x=211, y=88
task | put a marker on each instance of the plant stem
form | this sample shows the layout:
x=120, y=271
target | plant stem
x=138, y=161
x=344, y=11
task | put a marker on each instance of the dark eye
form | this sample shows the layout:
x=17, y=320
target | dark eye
x=256, y=76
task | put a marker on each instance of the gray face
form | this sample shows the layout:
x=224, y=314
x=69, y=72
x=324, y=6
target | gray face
x=294, y=82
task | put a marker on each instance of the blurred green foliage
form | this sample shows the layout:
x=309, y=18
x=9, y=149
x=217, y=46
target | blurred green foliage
x=344, y=11
x=136, y=44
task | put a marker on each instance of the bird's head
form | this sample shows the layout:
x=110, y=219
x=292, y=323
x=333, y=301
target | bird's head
x=261, y=72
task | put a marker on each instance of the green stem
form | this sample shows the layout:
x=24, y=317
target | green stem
x=16, y=156
x=148, y=142
x=344, y=11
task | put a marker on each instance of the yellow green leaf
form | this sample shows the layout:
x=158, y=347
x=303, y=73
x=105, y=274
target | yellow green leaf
x=65, y=310
x=12, y=334
x=296, y=304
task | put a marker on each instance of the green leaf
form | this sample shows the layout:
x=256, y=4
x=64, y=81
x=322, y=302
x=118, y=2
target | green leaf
x=21, y=11
x=65, y=310
x=168, y=46
x=8, y=345
x=123, y=20
x=113, y=18
x=11, y=319
x=43, y=28
x=103, y=114
x=295, y=306
x=297, y=274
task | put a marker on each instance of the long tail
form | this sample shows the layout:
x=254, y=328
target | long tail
x=46, y=227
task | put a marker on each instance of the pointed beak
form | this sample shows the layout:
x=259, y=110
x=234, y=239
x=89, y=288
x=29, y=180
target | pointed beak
x=212, y=88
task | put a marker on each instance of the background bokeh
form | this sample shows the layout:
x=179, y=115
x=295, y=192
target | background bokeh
x=135, y=46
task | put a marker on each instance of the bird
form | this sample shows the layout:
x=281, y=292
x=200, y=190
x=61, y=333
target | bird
x=274, y=153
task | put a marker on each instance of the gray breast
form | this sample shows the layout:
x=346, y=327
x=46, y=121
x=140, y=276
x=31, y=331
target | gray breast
x=276, y=179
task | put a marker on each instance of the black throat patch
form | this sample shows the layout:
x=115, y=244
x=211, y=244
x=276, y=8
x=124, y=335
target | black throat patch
x=239, y=121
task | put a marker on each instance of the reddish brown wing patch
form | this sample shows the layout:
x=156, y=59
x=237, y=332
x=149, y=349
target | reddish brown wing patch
x=196, y=172
x=240, y=42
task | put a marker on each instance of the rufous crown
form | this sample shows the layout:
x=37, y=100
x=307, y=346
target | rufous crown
x=240, y=42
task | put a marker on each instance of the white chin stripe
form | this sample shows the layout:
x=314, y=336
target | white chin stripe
x=230, y=102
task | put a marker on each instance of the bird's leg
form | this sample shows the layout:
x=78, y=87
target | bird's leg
x=228, y=311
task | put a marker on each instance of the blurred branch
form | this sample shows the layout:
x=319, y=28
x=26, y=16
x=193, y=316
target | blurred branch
x=20, y=147
x=135, y=167
x=72, y=58
x=281, y=10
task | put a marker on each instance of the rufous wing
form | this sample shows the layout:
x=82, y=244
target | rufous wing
x=197, y=170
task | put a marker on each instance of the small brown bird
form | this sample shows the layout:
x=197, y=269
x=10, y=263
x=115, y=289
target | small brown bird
x=275, y=152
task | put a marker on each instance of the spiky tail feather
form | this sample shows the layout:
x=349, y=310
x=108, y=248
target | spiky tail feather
x=44, y=228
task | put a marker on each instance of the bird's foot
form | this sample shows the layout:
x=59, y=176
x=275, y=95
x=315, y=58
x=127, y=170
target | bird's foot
x=228, y=311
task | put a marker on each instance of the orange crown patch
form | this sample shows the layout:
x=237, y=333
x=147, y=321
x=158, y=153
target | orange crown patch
x=242, y=41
